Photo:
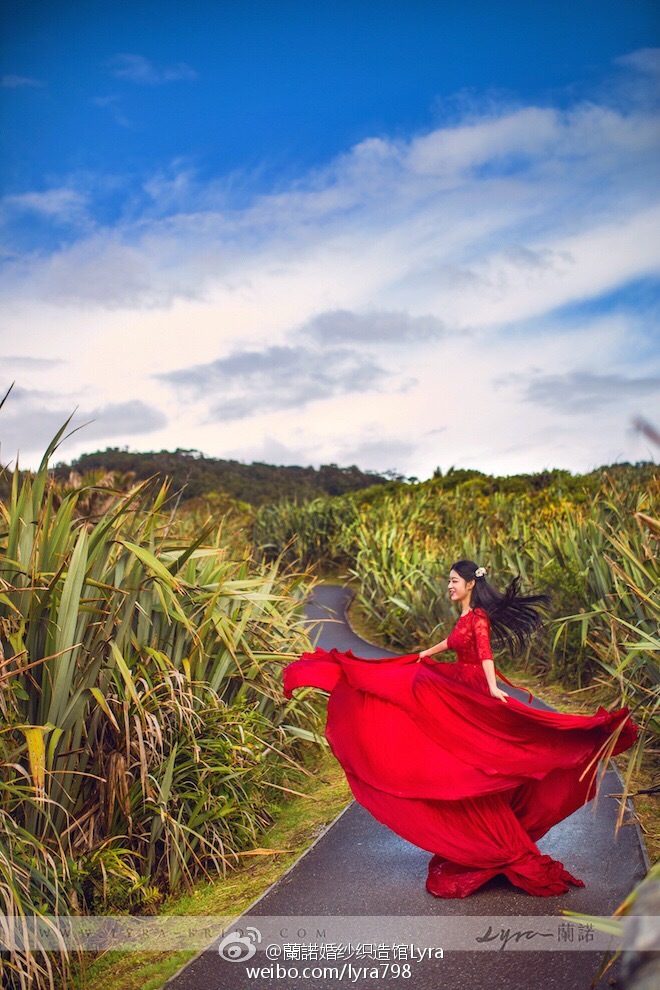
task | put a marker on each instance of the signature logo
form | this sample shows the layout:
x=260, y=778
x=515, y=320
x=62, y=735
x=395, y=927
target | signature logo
x=505, y=935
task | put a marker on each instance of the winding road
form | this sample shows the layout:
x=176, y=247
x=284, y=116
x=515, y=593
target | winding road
x=358, y=868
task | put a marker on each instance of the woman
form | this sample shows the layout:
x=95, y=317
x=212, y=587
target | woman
x=449, y=761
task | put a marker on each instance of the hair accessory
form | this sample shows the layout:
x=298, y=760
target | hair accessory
x=480, y=572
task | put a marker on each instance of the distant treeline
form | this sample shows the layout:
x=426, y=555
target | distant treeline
x=256, y=483
x=574, y=486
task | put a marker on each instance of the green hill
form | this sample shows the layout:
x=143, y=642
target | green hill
x=257, y=483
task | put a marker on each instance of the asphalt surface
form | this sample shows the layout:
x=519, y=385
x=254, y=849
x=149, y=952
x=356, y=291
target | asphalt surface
x=359, y=867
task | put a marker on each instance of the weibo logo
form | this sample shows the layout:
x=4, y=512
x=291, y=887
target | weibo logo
x=236, y=947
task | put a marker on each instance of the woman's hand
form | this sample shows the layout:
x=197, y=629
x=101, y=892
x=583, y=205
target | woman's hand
x=421, y=656
x=497, y=693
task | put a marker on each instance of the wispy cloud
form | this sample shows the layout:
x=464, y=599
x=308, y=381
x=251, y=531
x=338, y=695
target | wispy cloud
x=251, y=382
x=64, y=205
x=582, y=391
x=32, y=417
x=111, y=103
x=138, y=69
x=18, y=82
x=645, y=60
x=474, y=222
x=18, y=362
x=376, y=327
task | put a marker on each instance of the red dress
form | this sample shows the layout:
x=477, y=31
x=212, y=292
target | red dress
x=470, y=778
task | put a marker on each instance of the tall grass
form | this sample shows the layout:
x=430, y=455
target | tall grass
x=305, y=533
x=143, y=735
x=400, y=547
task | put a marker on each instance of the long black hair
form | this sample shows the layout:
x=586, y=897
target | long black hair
x=513, y=617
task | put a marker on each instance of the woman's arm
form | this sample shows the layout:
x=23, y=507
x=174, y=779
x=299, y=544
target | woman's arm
x=489, y=670
x=485, y=653
x=439, y=648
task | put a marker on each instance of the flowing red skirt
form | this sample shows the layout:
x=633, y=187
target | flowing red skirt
x=472, y=779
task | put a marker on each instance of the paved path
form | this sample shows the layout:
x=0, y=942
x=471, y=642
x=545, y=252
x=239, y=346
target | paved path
x=358, y=866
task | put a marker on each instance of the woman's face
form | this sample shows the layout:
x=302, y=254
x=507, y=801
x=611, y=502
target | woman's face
x=459, y=588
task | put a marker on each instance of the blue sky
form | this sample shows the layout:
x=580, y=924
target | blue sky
x=319, y=232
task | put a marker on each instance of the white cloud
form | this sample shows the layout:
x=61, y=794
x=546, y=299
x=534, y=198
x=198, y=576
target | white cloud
x=407, y=210
x=453, y=248
x=63, y=205
x=644, y=60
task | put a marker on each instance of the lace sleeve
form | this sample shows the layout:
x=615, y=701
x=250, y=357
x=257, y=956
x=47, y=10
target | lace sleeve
x=482, y=635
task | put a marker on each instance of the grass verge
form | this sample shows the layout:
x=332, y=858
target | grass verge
x=299, y=822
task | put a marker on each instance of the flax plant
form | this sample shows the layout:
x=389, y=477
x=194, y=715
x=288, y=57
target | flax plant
x=400, y=546
x=144, y=739
x=317, y=531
